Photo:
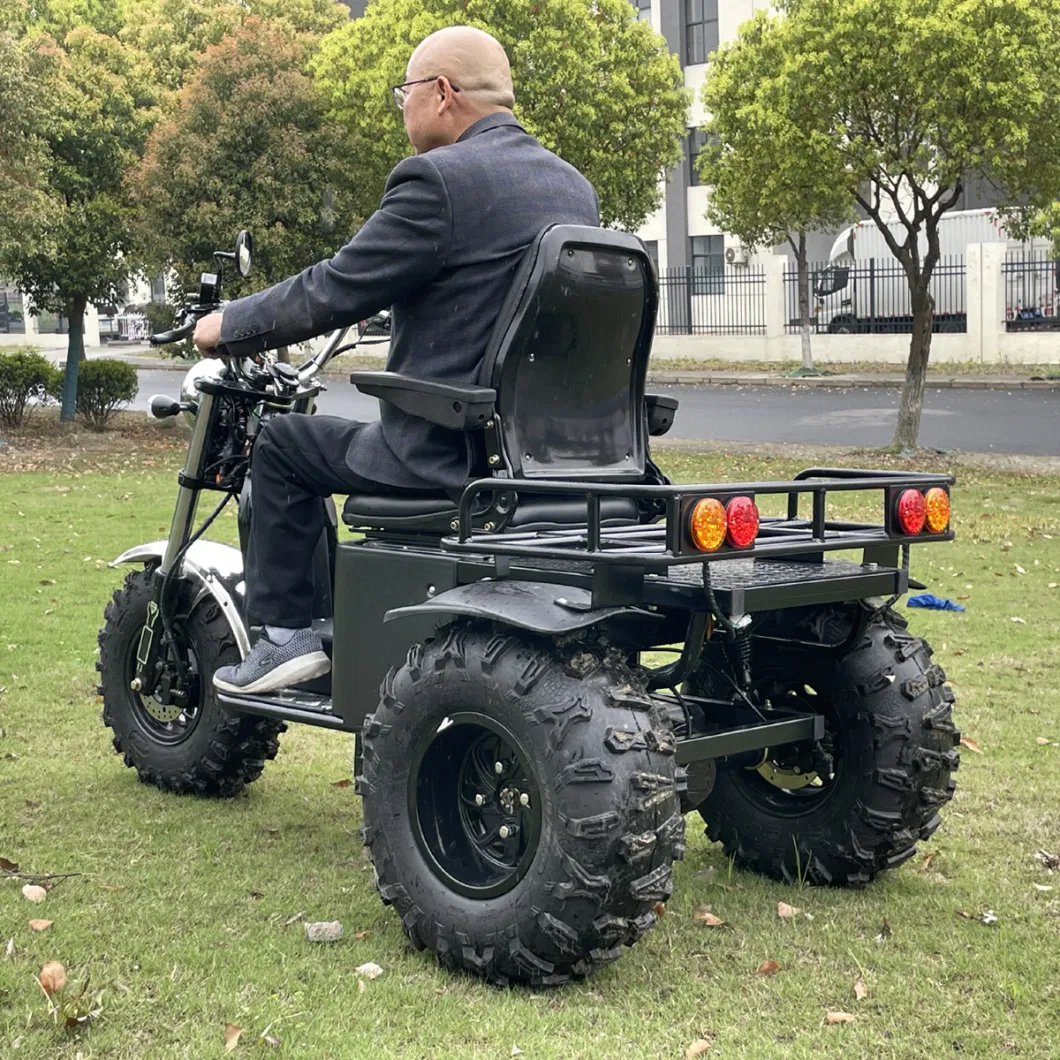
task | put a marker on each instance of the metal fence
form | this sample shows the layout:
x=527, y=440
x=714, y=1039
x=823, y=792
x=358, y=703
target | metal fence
x=872, y=297
x=724, y=301
x=1032, y=295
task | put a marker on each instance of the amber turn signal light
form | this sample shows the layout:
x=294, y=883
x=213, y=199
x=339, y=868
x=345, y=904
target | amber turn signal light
x=707, y=525
x=937, y=510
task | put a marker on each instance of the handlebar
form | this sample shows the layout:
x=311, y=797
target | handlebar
x=161, y=338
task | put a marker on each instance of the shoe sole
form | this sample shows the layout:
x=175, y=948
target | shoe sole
x=293, y=672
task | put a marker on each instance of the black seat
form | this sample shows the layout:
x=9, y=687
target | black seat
x=560, y=395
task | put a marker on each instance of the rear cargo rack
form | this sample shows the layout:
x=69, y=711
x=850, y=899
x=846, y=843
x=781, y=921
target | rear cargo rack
x=663, y=544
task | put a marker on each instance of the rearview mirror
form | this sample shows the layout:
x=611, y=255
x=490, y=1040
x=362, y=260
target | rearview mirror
x=244, y=252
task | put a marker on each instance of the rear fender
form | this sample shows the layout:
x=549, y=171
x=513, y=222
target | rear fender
x=536, y=606
x=217, y=570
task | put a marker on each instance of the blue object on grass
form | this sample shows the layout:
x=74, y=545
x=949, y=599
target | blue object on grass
x=933, y=603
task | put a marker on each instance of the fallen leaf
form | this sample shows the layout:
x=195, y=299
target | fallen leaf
x=1050, y=861
x=988, y=918
x=361, y=936
x=659, y=909
x=360, y=986
x=9, y=950
x=929, y=860
x=516, y=1051
x=1019, y=569
x=965, y=915
x=1041, y=741
x=785, y=911
x=268, y=1039
x=959, y=651
x=34, y=893
x=1021, y=621
x=838, y=1017
x=40, y=925
x=8, y=866
x=861, y=991
x=1052, y=585
x=885, y=931
x=369, y=970
x=697, y=1048
x=52, y=978
x=1037, y=887
x=703, y=914
x=47, y=581
x=967, y=741
x=232, y=1033
x=768, y=968
x=344, y=783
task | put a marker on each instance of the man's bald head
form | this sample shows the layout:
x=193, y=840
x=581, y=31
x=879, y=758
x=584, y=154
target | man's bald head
x=472, y=60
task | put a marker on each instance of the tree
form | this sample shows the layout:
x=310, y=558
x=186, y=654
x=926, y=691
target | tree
x=99, y=109
x=592, y=83
x=176, y=33
x=915, y=95
x=248, y=146
x=772, y=175
x=22, y=151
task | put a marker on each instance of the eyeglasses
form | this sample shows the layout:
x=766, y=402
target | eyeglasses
x=400, y=91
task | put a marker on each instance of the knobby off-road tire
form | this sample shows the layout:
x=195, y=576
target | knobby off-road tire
x=206, y=751
x=596, y=761
x=890, y=730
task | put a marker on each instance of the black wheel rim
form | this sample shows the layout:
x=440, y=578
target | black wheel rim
x=145, y=710
x=477, y=827
x=824, y=762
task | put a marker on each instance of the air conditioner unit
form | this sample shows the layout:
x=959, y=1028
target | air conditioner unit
x=736, y=254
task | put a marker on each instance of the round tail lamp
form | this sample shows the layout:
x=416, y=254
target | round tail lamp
x=937, y=510
x=911, y=512
x=741, y=514
x=708, y=525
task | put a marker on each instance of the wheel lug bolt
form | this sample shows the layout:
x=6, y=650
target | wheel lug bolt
x=479, y=800
x=524, y=799
x=135, y=684
x=498, y=767
x=505, y=831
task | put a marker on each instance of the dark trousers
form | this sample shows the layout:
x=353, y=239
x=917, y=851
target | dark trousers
x=298, y=461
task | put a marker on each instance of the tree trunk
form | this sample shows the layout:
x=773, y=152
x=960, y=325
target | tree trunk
x=911, y=402
x=804, y=302
x=75, y=352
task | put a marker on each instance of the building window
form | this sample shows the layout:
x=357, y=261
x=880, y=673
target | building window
x=12, y=311
x=701, y=30
x=697, y=140
x=643, y=9
x=708, y=264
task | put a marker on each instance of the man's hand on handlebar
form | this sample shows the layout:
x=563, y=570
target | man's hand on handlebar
x=208, y=334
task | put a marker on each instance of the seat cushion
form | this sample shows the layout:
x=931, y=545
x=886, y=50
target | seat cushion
x=432, y=511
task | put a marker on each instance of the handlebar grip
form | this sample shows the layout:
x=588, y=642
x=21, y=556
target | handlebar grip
x=176, y=335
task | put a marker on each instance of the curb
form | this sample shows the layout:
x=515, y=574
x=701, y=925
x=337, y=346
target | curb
x=754, y=379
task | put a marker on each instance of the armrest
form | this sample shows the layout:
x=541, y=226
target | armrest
x=460, y=408
x=660, y=413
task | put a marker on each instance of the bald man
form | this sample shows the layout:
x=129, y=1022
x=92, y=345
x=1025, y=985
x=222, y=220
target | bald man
x=442, y=249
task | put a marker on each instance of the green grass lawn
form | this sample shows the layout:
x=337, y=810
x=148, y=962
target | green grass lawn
x=188, y=907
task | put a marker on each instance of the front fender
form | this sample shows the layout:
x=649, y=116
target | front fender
x=217, y=568
x=537, y=606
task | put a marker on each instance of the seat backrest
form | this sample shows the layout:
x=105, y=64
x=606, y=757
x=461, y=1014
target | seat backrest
x=569, y=354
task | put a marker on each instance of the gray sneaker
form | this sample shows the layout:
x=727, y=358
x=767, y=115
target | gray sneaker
x=270, y=667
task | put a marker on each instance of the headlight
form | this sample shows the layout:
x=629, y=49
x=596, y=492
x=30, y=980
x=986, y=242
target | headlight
x=207, y=368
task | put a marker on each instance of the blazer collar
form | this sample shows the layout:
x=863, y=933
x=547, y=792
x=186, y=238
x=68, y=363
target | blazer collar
x=490, y=121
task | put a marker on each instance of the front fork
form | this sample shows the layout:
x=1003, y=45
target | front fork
x=149, y=652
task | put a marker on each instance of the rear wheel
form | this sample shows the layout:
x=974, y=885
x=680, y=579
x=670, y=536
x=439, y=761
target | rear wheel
x=842, y=810
x=193, y=747
x=520, y=803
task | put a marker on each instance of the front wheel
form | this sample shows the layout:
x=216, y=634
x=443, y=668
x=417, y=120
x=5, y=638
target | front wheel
x=840, y=811
x=520, y=803
x=191, y=747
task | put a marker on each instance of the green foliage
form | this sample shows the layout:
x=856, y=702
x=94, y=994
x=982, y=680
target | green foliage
x=216, y=166
x=1046, y=222
x=21, y=148
x=175, y=33
x=103, y=388
x=772, y=173
x=97, y=116
x=592, y=84
x=26, y=379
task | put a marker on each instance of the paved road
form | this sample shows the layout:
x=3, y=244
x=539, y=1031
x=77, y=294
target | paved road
x=981, y=421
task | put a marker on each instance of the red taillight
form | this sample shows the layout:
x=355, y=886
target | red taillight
x=911, y=511
x=937, y=509
x=741, y=516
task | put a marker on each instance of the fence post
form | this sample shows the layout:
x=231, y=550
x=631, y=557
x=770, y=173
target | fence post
x=992, y=303
x=776, y=305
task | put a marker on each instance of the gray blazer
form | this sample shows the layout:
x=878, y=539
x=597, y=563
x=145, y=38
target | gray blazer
x=441, y=249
